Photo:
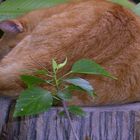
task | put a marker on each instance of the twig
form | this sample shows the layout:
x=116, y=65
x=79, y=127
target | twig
x=65, y=75
x=64, y=104
x=69, y=118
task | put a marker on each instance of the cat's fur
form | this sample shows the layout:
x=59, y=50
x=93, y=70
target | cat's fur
x=93, y=29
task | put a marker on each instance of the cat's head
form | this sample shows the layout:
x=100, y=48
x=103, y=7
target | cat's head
x=11, y=33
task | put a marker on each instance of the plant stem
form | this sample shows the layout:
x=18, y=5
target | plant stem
x=64, y=103
x=56, y=98
x=49, y=75
x=50, y=83
x=56, y=81
x=65, y=75
x=69, y=118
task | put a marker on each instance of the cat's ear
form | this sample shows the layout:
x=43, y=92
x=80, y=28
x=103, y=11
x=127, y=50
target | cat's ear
x=11, y=26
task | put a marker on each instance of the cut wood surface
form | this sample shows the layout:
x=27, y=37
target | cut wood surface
x=100, y=123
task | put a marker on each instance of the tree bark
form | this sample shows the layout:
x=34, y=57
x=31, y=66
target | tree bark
x=100, y=123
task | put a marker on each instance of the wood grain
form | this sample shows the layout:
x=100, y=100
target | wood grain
x=101, y=123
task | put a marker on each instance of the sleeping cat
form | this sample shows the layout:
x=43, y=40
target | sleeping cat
x=95, y=29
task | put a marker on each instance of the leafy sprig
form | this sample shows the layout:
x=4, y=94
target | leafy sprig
x=36, y=99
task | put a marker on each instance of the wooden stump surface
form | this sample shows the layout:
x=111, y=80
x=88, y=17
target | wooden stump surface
x=100, y=123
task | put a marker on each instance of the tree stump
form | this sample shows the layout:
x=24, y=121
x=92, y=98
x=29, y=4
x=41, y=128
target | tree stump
x=100, y=123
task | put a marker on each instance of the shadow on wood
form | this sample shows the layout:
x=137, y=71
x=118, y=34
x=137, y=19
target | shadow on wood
x=101, y=123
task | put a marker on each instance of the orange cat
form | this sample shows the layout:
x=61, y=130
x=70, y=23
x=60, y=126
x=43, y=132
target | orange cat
x=93, y=29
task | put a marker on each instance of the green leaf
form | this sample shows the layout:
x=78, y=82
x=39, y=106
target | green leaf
x=15, y=8
x=58, y=66
x=73, y=110
x=62, y=113
x=136, y=9
x=73, y=88
x=64, y=95
x=86, y=66
x=124, y=3
x=33, y=101
x=41, y=72
x=82, y=83
x=54, y=65
x=76, y=110
x=62, y=64
x=31, y=81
